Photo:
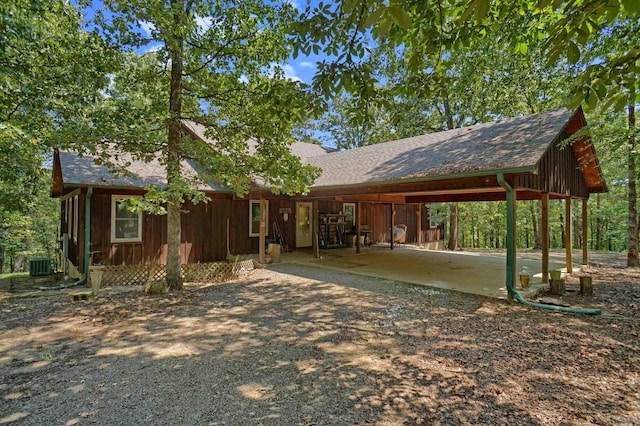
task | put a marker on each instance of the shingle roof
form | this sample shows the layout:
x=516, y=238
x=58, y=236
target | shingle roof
x=77, y=170
x=509, y=144
x=304, y=150
x=517, y=143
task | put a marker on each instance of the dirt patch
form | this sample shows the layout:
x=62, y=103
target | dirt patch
x=302, y=345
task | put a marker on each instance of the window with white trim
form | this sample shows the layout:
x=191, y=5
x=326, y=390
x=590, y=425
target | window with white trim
x=126, y=226
x=254, y=218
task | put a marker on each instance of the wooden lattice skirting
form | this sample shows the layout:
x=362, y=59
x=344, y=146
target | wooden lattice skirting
x=122, y=275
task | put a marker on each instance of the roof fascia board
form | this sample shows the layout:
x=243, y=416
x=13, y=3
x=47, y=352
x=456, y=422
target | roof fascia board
x=450, y=176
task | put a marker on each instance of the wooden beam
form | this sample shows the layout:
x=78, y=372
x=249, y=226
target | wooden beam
x=469, y=183
x=315, y=217
x=358, y=222
x=544, y=229
x=585, y=246
x=374, y=198
x=393, y=220
x=498, y=195
x=71, y=194
x=263, y=223
x=419, y=224
x=567, y=235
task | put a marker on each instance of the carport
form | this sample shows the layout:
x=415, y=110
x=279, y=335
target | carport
x=545, y=157
x=466, y=272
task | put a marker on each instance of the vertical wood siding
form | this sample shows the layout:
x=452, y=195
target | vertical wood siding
x=558, y=173
x=406, y=215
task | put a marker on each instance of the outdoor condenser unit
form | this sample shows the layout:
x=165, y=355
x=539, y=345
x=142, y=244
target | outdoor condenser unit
x=40, y=267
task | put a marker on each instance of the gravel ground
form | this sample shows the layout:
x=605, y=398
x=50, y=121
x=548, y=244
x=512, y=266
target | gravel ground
x=300, y=345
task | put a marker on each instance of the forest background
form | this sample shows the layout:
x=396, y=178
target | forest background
x=77, y=75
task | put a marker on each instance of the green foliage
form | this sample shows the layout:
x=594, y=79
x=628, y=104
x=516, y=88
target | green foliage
x=51, y=70
x=28, y=227
x=230, y=85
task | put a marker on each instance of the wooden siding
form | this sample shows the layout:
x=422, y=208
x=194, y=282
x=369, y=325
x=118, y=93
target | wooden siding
x=241, y=243
x=406, y=214
x=559, y=173
x=204, y=229
x=377, y=216
x=203, y=235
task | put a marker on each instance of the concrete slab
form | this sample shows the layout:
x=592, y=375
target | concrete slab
x=467, y=272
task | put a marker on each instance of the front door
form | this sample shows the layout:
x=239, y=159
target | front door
x=304, y=225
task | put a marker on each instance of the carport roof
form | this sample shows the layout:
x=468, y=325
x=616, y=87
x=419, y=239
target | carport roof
x=516, y=144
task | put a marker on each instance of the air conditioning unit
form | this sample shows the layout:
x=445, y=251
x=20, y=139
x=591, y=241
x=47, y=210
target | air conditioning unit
x=40, y=267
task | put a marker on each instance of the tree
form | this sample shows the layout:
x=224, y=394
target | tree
x=213, y=63
x=423, y=30
x=51, y=70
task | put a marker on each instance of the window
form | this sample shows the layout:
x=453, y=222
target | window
x=126, y=226
x=350, y=213
x=254, y=218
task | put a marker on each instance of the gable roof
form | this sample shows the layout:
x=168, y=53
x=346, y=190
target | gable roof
x=510, y=146
x=304, y=150
x=514, y=145
x=77, y=170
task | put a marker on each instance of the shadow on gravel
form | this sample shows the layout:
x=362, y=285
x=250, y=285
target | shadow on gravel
x=309, y=348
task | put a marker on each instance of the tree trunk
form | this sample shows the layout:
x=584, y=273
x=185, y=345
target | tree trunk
x=3, y=258
x=176, y=46
x=632, y=255
x=598, y=245
x=577, y=226
x=453, y=227
x=18, y=263
x=535, y=218
x=562, y=233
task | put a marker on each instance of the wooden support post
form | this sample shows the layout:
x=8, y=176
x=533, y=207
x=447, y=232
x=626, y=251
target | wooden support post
x=585, y=246
x=511, y=235
x=419, y=224
x=315, y=217
x=515, y=237
x=544, y=229
x=393, y=225
x=567, y=235
x=263, y=229
x=358, y=222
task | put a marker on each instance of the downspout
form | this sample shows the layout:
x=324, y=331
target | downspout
x=87, y=237
x=511, y=258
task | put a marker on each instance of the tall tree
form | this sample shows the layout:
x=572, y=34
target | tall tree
x=215, y=63
x=51, y=71
x=632, y=253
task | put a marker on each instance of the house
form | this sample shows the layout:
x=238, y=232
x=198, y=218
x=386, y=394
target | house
x=363, y=190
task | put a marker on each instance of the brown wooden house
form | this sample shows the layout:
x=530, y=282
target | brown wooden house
x=367, y=190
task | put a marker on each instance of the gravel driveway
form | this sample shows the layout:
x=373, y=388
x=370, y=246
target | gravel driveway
x=299, y=345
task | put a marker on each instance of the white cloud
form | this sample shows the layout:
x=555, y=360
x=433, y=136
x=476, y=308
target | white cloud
x=147, y=27
x=243, y=79
x=290, y=72
x=153, y=48
x=307, y=64
x=204, y=23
